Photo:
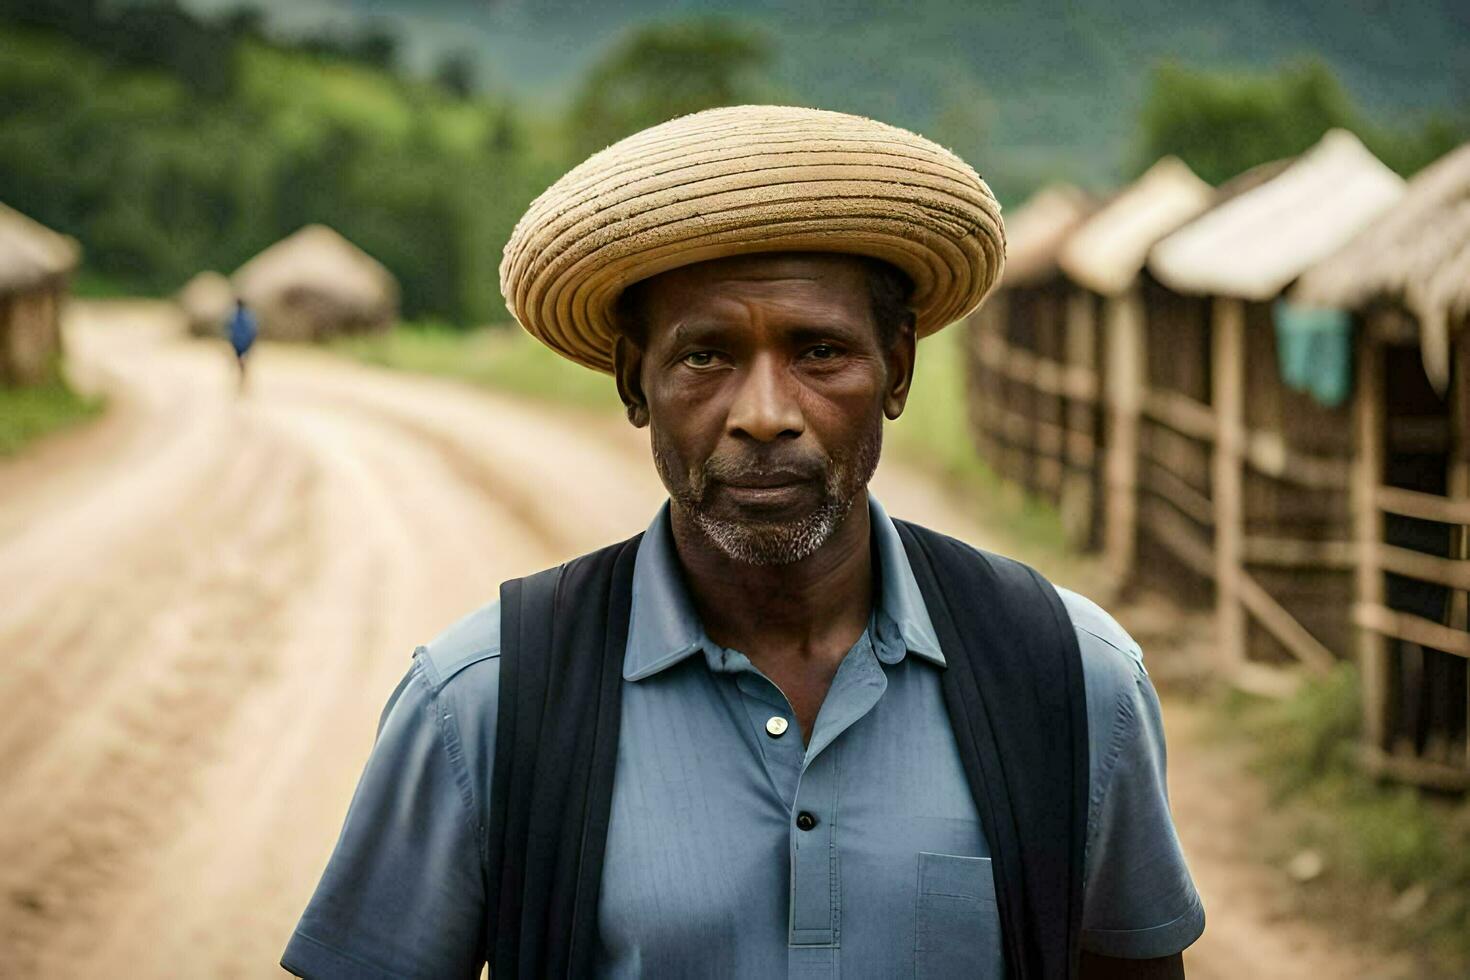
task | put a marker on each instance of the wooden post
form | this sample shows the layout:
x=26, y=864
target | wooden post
x=1079, y=474
x=978, y=384
x=1458, y=484
x=1006, y=457
x=1048, y=415
x=1124, y=388
x=1227, y=384
x=1368, y=533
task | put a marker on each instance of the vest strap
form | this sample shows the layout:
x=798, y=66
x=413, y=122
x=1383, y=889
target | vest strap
x=1013, y=690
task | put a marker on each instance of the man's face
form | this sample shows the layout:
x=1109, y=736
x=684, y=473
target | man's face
x=765, y=385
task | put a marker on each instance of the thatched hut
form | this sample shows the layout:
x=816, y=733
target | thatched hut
x=35, y=266
x=1024, y=370
x=316, y=284
x=1407, y=281
x=1255, y=498
x=207, y=301
x=1104, y=258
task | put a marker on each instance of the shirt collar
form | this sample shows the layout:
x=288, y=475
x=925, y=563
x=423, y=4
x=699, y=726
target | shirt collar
x=664, y=627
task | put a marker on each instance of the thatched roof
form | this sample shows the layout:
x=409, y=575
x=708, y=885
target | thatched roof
x=31, y=253
x=1037, y=230
x=1417, y=255
x=207, y=301
x=316, y=283
x=1108, y=250
x=1254, y=245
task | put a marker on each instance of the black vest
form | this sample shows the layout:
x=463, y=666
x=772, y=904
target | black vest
x=1012, y=686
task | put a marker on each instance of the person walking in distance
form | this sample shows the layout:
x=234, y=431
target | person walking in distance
x=243, y=330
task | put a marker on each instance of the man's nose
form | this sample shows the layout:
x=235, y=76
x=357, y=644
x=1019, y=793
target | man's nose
x=766, y=407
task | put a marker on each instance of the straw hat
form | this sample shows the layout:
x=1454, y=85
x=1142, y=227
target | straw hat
x=741, y=180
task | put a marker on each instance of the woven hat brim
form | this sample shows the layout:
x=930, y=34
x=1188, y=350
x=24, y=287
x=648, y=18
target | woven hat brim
x=740, y=181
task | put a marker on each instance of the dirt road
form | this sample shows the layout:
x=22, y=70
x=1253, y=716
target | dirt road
x=208, y=598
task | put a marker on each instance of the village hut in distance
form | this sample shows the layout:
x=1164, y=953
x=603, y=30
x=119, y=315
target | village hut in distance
x=1104, y=259
x=36, y=264
x=314, y=285
x=1030, y=391
x=1406, y=281
x=207, y=301
x=1252, y=493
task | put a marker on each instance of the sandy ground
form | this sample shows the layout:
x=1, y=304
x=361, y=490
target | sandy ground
x=208, y=598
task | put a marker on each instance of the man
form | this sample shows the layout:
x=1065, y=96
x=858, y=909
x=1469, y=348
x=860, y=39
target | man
x=242, y=330
x=779, y=733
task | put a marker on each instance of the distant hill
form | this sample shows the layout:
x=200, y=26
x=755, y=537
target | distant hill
x=1032, y=89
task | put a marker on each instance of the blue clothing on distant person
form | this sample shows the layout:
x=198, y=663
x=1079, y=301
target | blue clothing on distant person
x=707, y=872
x=242, y=330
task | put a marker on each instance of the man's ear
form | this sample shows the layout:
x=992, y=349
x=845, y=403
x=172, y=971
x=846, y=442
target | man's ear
x=627, y=371
x=900, y=358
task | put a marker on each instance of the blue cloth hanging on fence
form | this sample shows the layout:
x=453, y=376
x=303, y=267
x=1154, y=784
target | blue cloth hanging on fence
x=1314, y=348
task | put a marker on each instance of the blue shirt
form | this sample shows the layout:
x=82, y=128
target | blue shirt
x=242, y=330
x=734, y=851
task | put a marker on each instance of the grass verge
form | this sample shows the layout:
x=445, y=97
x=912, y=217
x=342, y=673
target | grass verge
x=1397, y=859
x=87, y=284
x=501, y=358
x=31, y=411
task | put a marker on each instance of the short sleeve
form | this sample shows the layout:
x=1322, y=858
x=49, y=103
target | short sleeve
x=403, y=894
x=1140, y=902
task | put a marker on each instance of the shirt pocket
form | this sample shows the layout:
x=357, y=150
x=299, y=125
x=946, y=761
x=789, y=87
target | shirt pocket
x=957, y=921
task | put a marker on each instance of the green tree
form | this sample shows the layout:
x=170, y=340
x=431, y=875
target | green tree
x=665, y=70
x=458, y=74
x=1415, y=146
x=1222, y=124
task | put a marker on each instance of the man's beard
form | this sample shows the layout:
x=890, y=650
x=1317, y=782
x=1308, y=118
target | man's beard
x=760, y=542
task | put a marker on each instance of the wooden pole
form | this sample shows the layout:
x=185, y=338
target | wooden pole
x=1124, y=388
x=1048, y=417
x=1368, y=532
x=978, y=381
x=991, y=398
x=1459, y=489
x=1079, y=475
x=1227, y=382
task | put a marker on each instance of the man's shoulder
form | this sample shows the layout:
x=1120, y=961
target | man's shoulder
x=1112, y=661
x=466, y=654
x=1097, y=631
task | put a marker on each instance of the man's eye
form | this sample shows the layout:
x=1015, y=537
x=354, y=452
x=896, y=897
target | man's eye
x=822, y=352
x=700, y=359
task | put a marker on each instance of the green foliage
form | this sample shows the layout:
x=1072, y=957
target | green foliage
x=156, y=35
x=458, y=74
x=664, y=70
x=31, y=411
x=161, y=172
x=1312, y=733
x=159, y=181
x=1222, y=124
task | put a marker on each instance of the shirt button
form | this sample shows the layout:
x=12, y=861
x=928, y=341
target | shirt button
x=805, y=821
x=776, y=726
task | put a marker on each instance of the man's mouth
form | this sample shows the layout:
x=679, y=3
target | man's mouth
x=767, y=481
x=777, y=489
